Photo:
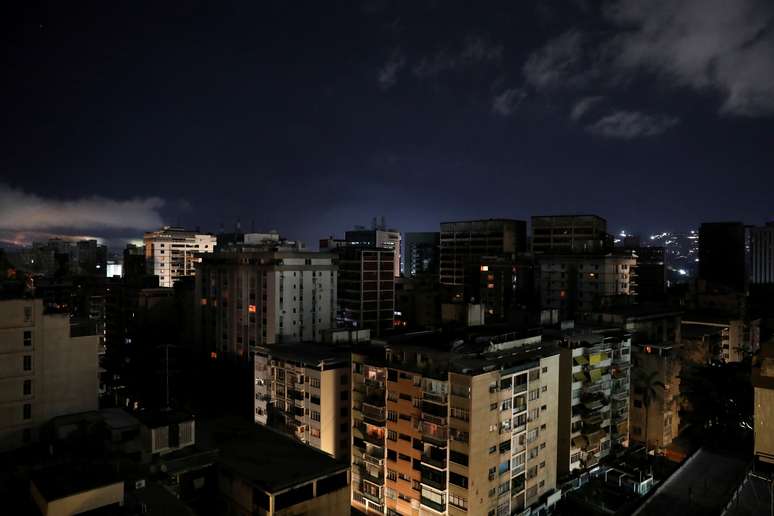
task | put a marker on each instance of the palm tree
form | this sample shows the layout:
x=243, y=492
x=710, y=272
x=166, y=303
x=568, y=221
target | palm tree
x=649, y=385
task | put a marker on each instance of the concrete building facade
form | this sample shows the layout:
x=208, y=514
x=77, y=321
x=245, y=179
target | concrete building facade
x=249, y=297
x=566, y=234
x=366, y=288
x=303, y=391
x=442, y=431
x=762, y=255
x=381, y=238
x=45, y=370
x=172, y=253
x=594, y=386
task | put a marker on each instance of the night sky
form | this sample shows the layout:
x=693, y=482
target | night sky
x=311, y=117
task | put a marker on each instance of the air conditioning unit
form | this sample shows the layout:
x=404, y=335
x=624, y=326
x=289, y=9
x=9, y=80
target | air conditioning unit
x=139, y=484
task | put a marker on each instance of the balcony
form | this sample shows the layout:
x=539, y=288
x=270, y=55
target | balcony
x=373, y=458
x=438, y=434
x=438, y=462
x=376, y=477
x=373, y=414
x=377, y=499
x=374, y=438
x=438, y=507
x=436, y=397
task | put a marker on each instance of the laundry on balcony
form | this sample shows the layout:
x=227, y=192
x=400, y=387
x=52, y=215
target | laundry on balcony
x=580, y=377
x=580, y=442
x=581, y=360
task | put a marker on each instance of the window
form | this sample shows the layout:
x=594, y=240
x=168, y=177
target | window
x=28, y=362
x=344, y=396
x=533, y=453
x=493, y=406
x=458, y=480
x=532, y=472
x=460, y=413
x=392, y=435
x=532, y=435
x=315, y=416
x=492, y=449
x=534, y=394
x=544, y=388
x=458, y=457
x=27, y=411
x=392, y=455
x=27, y=387
x=404, y=437
x=542, y=464
x=505, y=383
x=404, y=417
x=404, y=457
x=458, y=501
x=545, y=370
x=506, y=405
x=534, y=375
x=27, y=338
x=392, y=415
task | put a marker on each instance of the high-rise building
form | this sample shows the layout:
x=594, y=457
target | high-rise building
x=651, y=274
x=366, y=287
x=47, y=369
x=303, y=390
x=464, y=243
x=762, y=254
x=422, y=253
x=722, y=260
x=248, y=297
x=173, y=252
x=564, y=234
x=576, y=284
x=593, y=397
x=379, y=237
x=442, y=429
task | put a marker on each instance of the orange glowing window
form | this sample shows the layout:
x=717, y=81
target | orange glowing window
x=562, y=294
x=491, y=285
x=213, y=355
x=648, y=349
x=204, y=301
x=252, y=309
x=484, y=268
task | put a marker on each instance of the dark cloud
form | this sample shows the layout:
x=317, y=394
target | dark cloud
x=558, y=63
x=629, y=125
x=583, y=106
x=475, y=50
x=388, y=73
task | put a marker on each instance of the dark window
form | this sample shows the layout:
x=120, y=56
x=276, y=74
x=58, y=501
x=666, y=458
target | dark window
x=27, y=387
x=28, y=362
x=459, y=458
x=458, y=480
x=27, y=338
x=392, y=455
x=27, y=411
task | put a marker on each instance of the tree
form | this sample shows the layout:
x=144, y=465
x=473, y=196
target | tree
x=648, y=385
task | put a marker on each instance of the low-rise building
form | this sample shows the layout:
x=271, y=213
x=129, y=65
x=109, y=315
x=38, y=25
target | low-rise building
x=763, y=383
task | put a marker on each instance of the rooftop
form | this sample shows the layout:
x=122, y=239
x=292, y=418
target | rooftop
x=156, y=419
x=61, y=481
x=309, y=354
x=265, y=458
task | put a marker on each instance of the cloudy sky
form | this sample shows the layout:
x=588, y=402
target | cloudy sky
x=310, y=117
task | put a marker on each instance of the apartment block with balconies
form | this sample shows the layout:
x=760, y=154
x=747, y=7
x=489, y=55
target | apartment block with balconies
x=594, y=395
x=303, y=390
x=469, y=428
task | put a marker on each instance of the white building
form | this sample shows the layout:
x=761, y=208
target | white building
x=45, y=371
x=172, y=253
x=250, y=297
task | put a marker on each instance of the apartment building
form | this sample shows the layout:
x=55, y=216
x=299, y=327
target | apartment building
x=569, y=234
x=248, y=297
x=303, y=390
x=736, y=338
x=366, y=287
x=381, y=238
x=465, y=242
x=655, y=393
x=578, y=284
x=421, y=254
x=594, y=386
x=462, y=428
x=172, y=253
x=46, y=370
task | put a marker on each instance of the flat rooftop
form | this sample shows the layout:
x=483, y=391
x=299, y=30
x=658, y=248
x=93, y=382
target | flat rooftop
x=265, y=458
x=156, y=419
x=66, y=480
x=310, y=354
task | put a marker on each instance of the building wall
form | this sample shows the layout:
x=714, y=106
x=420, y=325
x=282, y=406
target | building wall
x=104, y=496
x=663, y=417
x=764, y=419
x=62, y=376
x=172, y=253
x=335, y=411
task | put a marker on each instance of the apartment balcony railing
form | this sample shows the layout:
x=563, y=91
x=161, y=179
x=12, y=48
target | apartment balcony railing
x=373, y=438
x=437, y=397
x=433, y=505
x=437, y=420
x=439, y=463
x=373, y=459
x=373, y=414
x=438, y=434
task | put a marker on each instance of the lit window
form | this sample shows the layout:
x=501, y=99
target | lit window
x=252, y=309
x=484, y=268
